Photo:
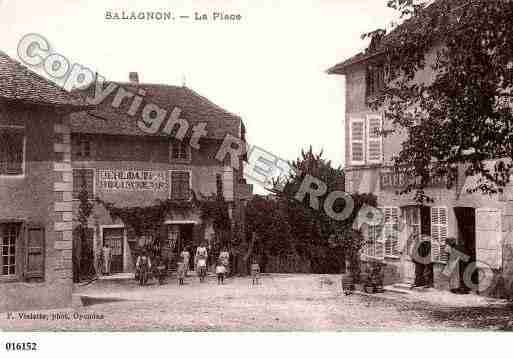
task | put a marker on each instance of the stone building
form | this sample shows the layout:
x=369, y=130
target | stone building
x=131, y=162
x=35, y=190
x=481, y=223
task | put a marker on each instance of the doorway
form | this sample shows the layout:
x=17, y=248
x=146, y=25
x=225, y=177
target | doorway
x=114, y=238
x=466, y=243
x=180, y=237
x=423, y=266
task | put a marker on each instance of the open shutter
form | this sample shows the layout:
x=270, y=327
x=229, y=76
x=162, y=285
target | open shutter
x=488, y=237
x=374, y=139
x=35, y=253
x=391, y=231
x=439, y=229
x=357, y=141
x=228, y=183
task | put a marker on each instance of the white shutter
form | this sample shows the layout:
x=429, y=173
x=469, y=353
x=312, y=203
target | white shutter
x=488, y=237
x=357, y=141
x=374, y=139
x=228, y=183
x=439, y=229
x=391, y=231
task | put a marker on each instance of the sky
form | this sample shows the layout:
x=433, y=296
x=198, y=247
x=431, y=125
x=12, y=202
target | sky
x=269, y=67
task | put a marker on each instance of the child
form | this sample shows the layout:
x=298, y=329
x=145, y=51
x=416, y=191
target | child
x=180, y=271
x=255, y=271
x=220, y=271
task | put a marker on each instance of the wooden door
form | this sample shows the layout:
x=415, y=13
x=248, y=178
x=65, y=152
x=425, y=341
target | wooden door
x=412, y=232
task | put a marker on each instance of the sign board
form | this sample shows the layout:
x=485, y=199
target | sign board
x=132, y=180
x=397, y=179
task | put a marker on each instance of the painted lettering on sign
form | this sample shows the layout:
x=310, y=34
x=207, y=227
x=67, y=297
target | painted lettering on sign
x=132, y=180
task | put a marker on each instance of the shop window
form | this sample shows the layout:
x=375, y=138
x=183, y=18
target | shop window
x=11, y=151
x=83, y=178
x=180, y=185
x=180, y=151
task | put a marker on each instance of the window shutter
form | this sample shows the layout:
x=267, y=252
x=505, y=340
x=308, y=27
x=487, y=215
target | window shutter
x=35, y=253
x=439, y=228
x=357, y=141
x=228, y=184
x=391, y=231
x=489, y=237
x=374, y=139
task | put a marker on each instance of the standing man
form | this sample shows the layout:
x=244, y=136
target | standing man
x=107, y=258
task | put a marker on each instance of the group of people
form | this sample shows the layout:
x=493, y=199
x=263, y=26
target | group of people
x=200, y=261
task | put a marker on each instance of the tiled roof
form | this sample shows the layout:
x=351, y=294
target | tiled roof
x=405, y=27
x=18, y=83
x=106, y=119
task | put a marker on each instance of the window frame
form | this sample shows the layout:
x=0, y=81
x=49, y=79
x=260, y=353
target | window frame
x=94, y=182
x=19, y=255
x=375, y=79
x=171, y=183
x=77, y=143
x=188, y=152
x=24, y=149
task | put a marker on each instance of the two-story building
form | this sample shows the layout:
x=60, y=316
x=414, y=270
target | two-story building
x=123, y=163
x=35, y=190
x=480, y=223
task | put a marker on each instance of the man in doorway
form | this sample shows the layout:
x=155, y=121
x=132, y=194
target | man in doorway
x=107, y=259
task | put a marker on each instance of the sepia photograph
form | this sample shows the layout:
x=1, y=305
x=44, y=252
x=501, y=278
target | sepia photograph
x=255, y=167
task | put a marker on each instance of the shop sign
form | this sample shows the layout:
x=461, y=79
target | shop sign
x=132, y=180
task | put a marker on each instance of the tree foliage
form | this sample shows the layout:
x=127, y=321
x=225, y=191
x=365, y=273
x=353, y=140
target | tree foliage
x=462, y=115
x=285, y=225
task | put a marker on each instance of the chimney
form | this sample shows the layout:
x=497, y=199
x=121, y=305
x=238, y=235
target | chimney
x=133, y=77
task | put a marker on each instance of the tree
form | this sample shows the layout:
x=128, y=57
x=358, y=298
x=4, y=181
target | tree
x=462, y=116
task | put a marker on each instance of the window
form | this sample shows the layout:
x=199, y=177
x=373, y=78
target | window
x=180, y=185
x=375, y=80
x=173, y=235
x=83, y=178
x=374, y=244
x=11, y=151
x=391, y=231
x=180, y=151
x=81, y=147
x=9, y=240
x=366, y=140
x=374, y=140
x=357, y=139
x=439, y=228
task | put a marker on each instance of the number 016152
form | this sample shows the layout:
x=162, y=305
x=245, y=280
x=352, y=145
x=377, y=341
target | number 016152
x=25, y=346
